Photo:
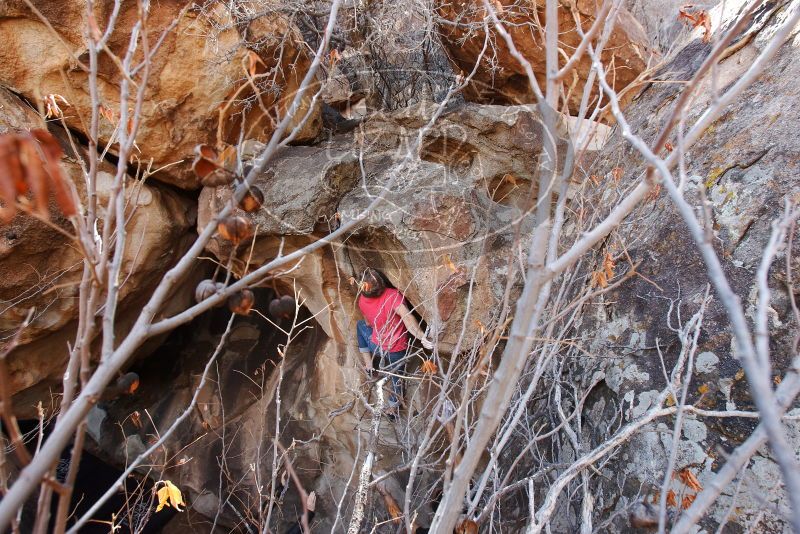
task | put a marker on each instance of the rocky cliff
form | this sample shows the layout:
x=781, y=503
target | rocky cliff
x=456, y=193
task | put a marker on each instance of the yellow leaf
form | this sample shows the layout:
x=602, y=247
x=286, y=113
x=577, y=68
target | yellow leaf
x=739, y=374
x=670, y=401
x=703, y=389
x=170, y=496
x=449, y=263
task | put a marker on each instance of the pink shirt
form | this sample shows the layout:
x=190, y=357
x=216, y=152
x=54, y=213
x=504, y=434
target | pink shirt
x=388, y=330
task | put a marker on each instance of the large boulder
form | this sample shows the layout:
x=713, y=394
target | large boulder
x=41, y=267
x=228, y=435
x=201, y=79
x=501, y=79
x=448, y=217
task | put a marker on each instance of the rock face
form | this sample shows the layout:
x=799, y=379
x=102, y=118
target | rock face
x=660, y=21
x=200, y=82
x=747, y=163
x=446, y=218
x=41, y=268
x=446, y=230
x=442, y=219
x=500, y=79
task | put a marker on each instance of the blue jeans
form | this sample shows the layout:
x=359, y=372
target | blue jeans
x=390, y=361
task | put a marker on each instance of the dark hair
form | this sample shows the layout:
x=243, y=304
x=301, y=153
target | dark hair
x=375, y=282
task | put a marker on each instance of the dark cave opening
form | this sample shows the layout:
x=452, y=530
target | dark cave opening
x=168, y=370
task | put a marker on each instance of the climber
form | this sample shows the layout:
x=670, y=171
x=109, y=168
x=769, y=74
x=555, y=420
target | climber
x=384, y=332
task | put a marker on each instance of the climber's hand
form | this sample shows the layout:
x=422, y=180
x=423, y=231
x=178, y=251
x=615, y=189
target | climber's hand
x=426, y=344
x=368, y=366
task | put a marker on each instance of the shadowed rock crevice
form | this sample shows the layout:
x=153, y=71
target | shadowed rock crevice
x=232, y=427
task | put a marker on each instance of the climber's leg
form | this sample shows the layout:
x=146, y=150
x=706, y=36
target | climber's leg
x=364, y=334
x=394, y=363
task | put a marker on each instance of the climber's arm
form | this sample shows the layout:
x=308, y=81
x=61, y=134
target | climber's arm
x=412, y=325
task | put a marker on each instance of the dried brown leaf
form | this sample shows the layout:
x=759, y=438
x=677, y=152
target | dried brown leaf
x=58, y=181
x=36, y=177
x=8, y=191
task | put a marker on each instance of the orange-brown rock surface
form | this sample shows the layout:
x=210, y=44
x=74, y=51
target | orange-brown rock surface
x=41, y=268
x=501, y=79
x=201, y=75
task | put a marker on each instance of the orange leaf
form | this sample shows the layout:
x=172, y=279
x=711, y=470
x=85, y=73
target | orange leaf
x=608, y=266
x=616, y=173
x=688, y=478
x=428, y=367
x=392, y=508
x=252, y=61
x=206, y=151
x=695, y=19
x=599, y=279
x=107, y=114
x=334, y=57
x=671, y=498
x=202, y=167
x=467, y=526
x=687, y=500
